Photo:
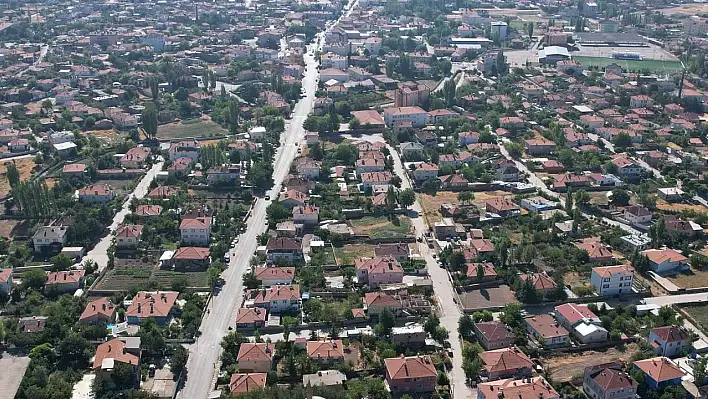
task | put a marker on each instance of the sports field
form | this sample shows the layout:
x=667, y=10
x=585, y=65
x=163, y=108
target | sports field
x=658, y=66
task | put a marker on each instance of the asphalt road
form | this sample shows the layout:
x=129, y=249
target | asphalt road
x=204, y=354
x=99, y=253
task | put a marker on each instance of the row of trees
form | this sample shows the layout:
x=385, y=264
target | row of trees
x=34, y=199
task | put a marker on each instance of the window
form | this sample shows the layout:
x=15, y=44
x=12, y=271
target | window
x=621, y=278
x=606, y=286
x=627, y=284
x=628, y=278
x=605, y=280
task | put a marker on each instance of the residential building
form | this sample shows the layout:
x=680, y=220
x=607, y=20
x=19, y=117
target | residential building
x=32, y=324
x=399, y=252
x=425, y=171
x=185, y=149
x=637, y=215
x=189, y=259
x=324, y=378
x=411, y=374
x=597, y=252
x=412, y=151
x=148, y=210
x=250, y=318
x=293, y=198
x=608, y=381
x=489, y=273
x=494, y=335
x=640, y=101
x=277, y=299
x=411, y=94
x=414, y=115
x=588, y=333
x=242, y=383
x=6, y=283
x=626, y=168
x=499, y=30
x=308, y=168
x=669, y=341
x=506, y=170
x=135, y=158
x=270, y=276
x=659, y=372
x=526, y=388
x=505, y=363
x=540, y=146
x=377, y=271
x=100, y=310
x=371, y=179
x=128, y=236
x=151, y=304
x=376, y=302
x=570, y=315
x=65, y=281
x=412, y=335
x=117, y=350
x=196, y=231
x=612, y=280
x=546, y=330
x=96, y=194
x=370, y=165
x=284, y=248
x=326, y=352
x=542, y=282
x=502, y=206
x=255, y=357
x=670, y=194
x=369, y=119
x=74, y=169
x=306, y=215
x=49, y=238
x=666, y=260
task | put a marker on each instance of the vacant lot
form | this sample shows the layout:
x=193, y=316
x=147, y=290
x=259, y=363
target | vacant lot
x=665, y=206
x=693, y=279
x=576, y=280
x=120, y=185
x=700, y=313
x=108, y=136
x=495, y=297
x=12, y=229
x=631, y=65
x=431, y=204
x=13, y=369
x=347, y=253
x=24, y=166
x=564, y=368
x=381, y=227
x=194, y=279
x=178, y=130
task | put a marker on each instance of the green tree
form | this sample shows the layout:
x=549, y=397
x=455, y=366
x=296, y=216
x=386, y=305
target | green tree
x=149, y=120
x=178, y=361
x=386, y=322
x=465, y=327
x=582, y=198
x=12, y=174
x=406, y=197
x=529, y=30
x=620, y=197
x=622, y=140
x=61, y=262
x=449, y=90
x=154, y=88
x=699, y=371
x=511, y=315
x=34, y=279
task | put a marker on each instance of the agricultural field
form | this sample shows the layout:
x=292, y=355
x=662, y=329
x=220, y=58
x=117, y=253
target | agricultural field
x=120, y=185
x=191, y=128
x=658, y=66
x=381, y=227
x=129, y=273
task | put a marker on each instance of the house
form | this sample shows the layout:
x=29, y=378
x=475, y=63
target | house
x=227, y=174
x=196, y=231
x=255, y=357
x=659, y=372
x=96, y=194
x=100, y=310
x=494, y=335
x=376, y=302
x=369, y=119
x=399, y=252
x=669, y=341
x=334, y=74
x=682, y=227
x=65, y=281
x=670, y=194
x=154, y=304
x=640, y=101
x=597, y=252
x=292, y=198
x=626, y=168
x=250, y=318
x=6, y=283
x=612, y=280
x=505, y=363
x=324, y=378
x=135, y=158
x=270, y=276
x=185, y=149
x=277, y=299
x=65, y=150
x=570, y=315
x=553, y=166
x=525, y=388
x=284, y=248
x=412, y=151
x=542, y=282
x=371, y=179
x=128, y=236
x=466, y=138
x=537, y=204
x=506, y=170
x=608, y=381
x=665, y=260
x=117, y=350
x=454, y=181
x=425, y=171
x=502, y=206
x=307, y=215
x=546, y=330
x=414, y=115
x=242, y=383
x=411, y=374
x=377, y=271
x=190, y=259
x=148, y=210
x=540, y=146
x=411, y=335
x=49, y=238
x=637, y=215
x=74, y=169
x=326, y=352
x=32, y=324
x=488, y=272
x=440, y=116
x=588, y=333
x=370, y=165
x=308, y=168
x=18, y=145
x=180, y=166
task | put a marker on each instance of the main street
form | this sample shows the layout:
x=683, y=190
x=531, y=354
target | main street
x=99, y=253
x=442, y=287
x=204, y=354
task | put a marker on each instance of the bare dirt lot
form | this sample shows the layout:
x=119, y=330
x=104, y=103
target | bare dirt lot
x=24, y=166
x=13, y=369
x=178, y=130
x=564, y=368
x=665, y=206
x=347, y=253
x=431, y=204
x=381, y=227
x=11, y=229
x=693, y=279
x=486, y=298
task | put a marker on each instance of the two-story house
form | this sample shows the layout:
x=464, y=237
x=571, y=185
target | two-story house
x=399, y=251
x=546, y=330
x=284, y=249
x=128, y=236
x=327, y=352
x=637, y=215
x=185, y=149
x=307, y=215
x=6, y=281
x=494, y=335
x=67, y=281
x=370, y=165
x=659, y=372
x=608, y=381
x=49, y=238
x=250, y=318
x=101, y=310
x=665, y=260
x=377, y=271
x=292, y=198
x=277, y=299
x=371, y=179
x=411, y=374
x=158, y=305
x=97, y=194
x=612, y=280
x=669, y=341
x=254, y=357
x=135, y=158
x=189, y=259
x=414, y=115
x=270, y=276
x=425, y=171
x=582, y=322
x=525, y=388
x=109, y=354
x=505, y=363
x=196, y=231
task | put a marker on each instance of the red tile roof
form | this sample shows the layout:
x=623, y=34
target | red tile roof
x=152, y=304
x=533, y=388
x=664, y=255
x=659, y=369
x=401, y=368
x=102, y=307
x=243, y=383
x=325, y=350
x=250, y=315
x=274, y=273
x=130, y=231
x=63, y=277
x=191, y=253
x=504, y=360
x=113, y=349
x=255, y=351
x=378, y=265
x=540, y=281
x=670, y=333
x=148, y=210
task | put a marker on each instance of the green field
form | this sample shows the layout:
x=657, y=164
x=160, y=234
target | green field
x=629, y=65
x=191, y=129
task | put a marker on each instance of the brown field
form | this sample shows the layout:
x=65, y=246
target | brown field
x=688, y=9
x=564, y=368
x=381, y=227
x=24, y=166
x=431, y=204
x=13, y=228
x=678, y=207
x=108, y=136
x=117, y=184
x=693, y=279
x=487, y=298
x=179, y=130
x=574, y=279
x=127, y=274
x=347, y=253
x=482, y=196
